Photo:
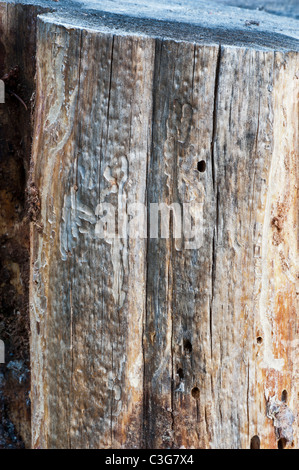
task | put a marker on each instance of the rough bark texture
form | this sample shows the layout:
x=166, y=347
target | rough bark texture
x=17, y=69
x=139, y=344
x=143, y=342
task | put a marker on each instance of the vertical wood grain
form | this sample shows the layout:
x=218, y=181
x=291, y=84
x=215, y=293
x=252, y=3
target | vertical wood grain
x=145, y=343
x=95, y=111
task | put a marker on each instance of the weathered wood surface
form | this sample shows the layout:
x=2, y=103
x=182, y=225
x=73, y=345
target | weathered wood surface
x=94, y=318
x=17, y=69
x=142, y=343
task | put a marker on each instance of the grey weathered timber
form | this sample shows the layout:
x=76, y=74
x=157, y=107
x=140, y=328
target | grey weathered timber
x=97, y=312
x=147, y=342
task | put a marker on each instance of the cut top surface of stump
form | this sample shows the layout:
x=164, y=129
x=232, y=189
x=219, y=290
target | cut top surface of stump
x=204, y=22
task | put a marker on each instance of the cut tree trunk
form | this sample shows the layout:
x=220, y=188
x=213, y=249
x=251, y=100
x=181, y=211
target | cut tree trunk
x=150, y=342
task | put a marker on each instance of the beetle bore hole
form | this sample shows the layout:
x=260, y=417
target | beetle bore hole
x=284, y=396
x=255, y=443
x=180, y=373
x=201, y=166
x=281, y=443
x=195, y=393
x=187, y=346
x=259, y=340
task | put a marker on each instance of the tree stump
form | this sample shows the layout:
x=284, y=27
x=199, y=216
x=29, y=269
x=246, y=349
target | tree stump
x=159, y=341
